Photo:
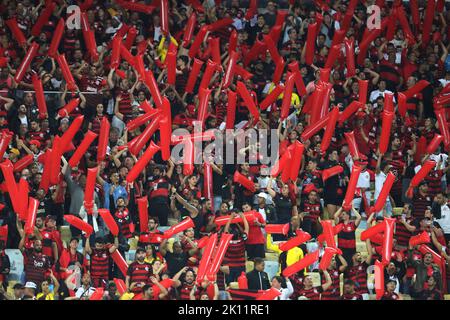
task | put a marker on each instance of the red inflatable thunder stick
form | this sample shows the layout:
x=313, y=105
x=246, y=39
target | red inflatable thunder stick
x=189, y=30
x=197, y=41
x=89, y=191
x=388, y=238
x=23, y=68
x=421, y=238
x=218, y=256
x=68, y=108
x=353, y=147
x=296, y=151
x=386, y=131
x=308, y=260
x=193, y=75
x=24, y=162
x=330, y=172
x=443, y=126
x=300, y=238
x=67, y=75
x=231, y=109
x=142, y=162
x=325, y=261
x=179, y=227
x=379, y=279
x=244, y=181
x=328, y=233
x=329, y=131
x=420, y=175
x=79, y=224
x=31, y=216
x=40, y=98
x=248, y=99
x=188, y=156
x=229, y=73
x=120, y=262
x=336, y=229
x=356, y=170
x=103, y=139
x=222, y=220
x=82, y=148
x=5, y=139
x=208, y=181
x=269, y=294
x=109, y=221
x=281, y=164
x=287, y=96
x=277, y=228
x=350, y=57
x=384, y=193
x=206, y=260
x=8, y=175
x=56, y=38
x=143, y=213
x=17, y=33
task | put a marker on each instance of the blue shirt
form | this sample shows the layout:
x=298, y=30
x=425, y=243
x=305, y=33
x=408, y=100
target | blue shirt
x=119, y=192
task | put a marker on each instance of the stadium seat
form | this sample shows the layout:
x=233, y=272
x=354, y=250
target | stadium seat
x=446, y=296
x=65, y=233
x=315, y=278
x=271, y=256
x=397, y=210
x=248, y=266
x=271, y=267
x=16, y=261
x=234, y=285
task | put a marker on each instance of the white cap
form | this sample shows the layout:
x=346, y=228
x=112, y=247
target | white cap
x=31, y=285
x=262, y=195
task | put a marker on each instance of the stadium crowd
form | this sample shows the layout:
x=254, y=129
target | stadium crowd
x=86, y=265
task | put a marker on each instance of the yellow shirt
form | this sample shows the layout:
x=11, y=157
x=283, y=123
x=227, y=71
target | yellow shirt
x=49, y=296
x=295, y=99
x=293, y=255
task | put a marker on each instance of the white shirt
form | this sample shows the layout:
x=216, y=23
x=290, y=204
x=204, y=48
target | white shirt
x=82, y=292
x=436, y=158
x=444, y=221
x=286, y=292
x=379, y=182
x=363, y=180
x=376, y=93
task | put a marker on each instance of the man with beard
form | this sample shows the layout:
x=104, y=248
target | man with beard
x=334, y=271
x=152, y=236
x=350, y=292
x=357, y=272
x=100, y=258
x=424, y=269
x=36, y=263
x=176, y=260
x=138, y=273
x=185, y=286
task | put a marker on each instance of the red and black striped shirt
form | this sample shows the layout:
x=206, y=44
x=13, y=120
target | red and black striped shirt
x=235, y=255
x=358, y=274
x=123, y=221
x=159, y=188
x=420, y=204
x=314, y=210
x=311, y=294
x=139, y=272
x=333, y=292
x=35, y=266
x=99, y=263
x=402, y=234
x=347, y=237
x=434, y=182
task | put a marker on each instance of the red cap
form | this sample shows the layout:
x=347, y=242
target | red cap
x=36, y=143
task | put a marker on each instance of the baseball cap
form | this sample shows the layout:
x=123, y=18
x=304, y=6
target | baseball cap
x=36, y=143
x=30, y=285
x=262, y=195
